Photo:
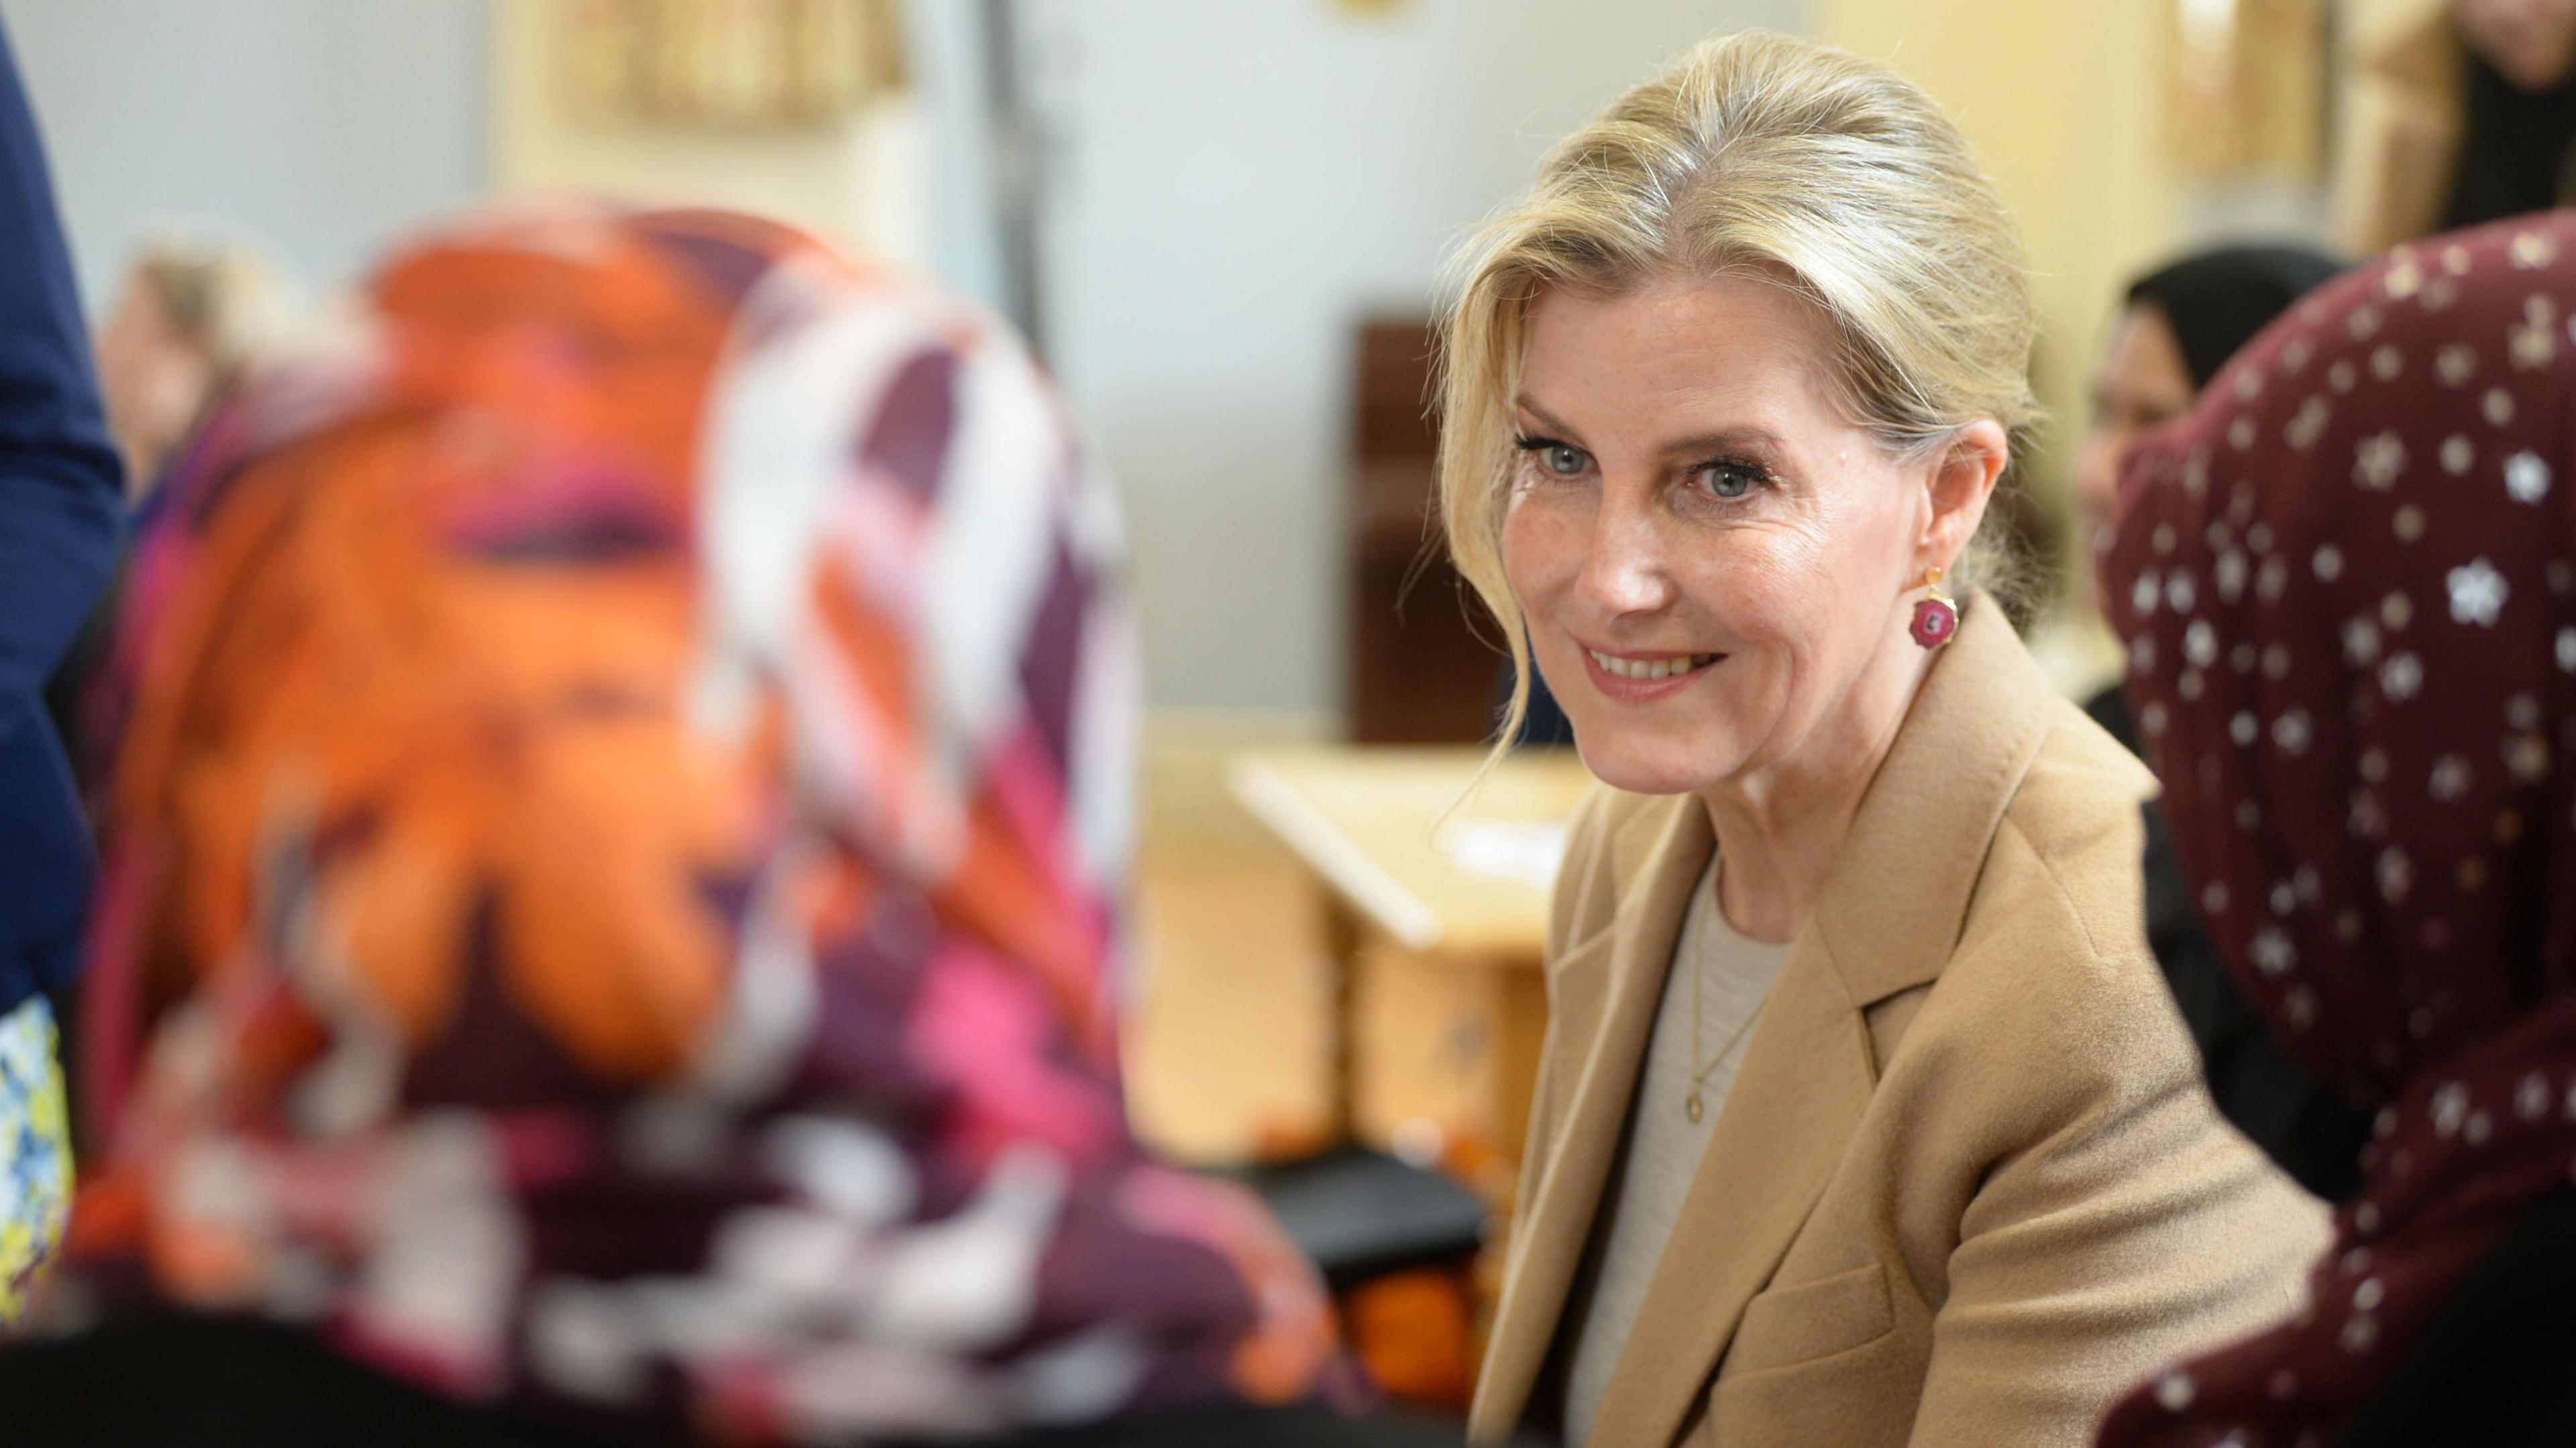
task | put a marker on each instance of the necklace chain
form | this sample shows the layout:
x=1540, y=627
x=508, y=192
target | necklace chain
x=1691, y=1105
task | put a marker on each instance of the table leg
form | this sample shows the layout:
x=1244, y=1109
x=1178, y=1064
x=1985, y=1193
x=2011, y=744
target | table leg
x=1342, y=949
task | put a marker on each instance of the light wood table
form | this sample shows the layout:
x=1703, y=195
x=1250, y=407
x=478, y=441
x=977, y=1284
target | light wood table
x=1440, y=883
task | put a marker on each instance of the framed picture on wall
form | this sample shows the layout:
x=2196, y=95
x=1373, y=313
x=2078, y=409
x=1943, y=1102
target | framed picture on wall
x=727, y=63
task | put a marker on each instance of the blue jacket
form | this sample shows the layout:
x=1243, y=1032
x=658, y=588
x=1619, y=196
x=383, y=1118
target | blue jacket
x=61, y=490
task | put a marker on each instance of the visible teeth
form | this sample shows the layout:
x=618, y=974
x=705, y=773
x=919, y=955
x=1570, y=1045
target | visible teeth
x=1648, y=669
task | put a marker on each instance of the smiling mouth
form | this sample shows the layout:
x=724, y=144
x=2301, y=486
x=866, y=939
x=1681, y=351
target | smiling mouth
x=1647, y=671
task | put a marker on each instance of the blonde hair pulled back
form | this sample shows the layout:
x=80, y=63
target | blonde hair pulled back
x=1753, y=154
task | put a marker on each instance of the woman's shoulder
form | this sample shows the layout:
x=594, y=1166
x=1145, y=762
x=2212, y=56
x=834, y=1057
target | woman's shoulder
x=2070, y=850
x=2053, y=949
x=1607, y=843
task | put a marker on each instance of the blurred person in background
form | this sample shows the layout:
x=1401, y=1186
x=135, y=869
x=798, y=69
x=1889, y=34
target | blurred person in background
x=2375, y=507
x=2180, y=325
x=2176, y=327
x=1864, y=1116
x=191, y=316
x=59, y=532
x=2453, y=113
x=617, y=867
x=192, y=313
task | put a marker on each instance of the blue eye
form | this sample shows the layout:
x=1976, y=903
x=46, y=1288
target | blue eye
x=1556, y=459
x=1729, y=481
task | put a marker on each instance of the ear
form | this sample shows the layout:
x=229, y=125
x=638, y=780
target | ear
x=1962, y=482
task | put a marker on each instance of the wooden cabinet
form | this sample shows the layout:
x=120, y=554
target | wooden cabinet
x=1424, y=657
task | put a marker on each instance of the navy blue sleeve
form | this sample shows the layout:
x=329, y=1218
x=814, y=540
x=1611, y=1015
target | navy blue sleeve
x=61, y=485
x=61, y=517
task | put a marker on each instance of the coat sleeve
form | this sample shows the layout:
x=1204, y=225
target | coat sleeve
x=60, y=481
x=2118, y=1224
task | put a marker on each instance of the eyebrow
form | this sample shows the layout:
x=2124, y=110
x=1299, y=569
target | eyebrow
x=1697, y=445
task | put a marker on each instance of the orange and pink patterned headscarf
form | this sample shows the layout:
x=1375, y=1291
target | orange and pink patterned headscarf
x=615, y=864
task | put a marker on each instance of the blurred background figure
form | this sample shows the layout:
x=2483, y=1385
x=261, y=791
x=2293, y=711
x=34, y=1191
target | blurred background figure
x=2349, y=584
x=2457, y=112
x=59, y=531
x=618, y=850
x=2180, y=325
x=191, y=314
x=2175, y=328
x=190, y=317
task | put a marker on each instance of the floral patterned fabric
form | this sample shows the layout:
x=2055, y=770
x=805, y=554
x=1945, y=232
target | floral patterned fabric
x=35, y=1151
x=2348, y=582
x=615, y=864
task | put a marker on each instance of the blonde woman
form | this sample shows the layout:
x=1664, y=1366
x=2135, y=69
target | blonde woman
x=1865, y=1117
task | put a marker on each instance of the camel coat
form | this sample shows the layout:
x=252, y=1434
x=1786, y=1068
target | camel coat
x=1968, y=1186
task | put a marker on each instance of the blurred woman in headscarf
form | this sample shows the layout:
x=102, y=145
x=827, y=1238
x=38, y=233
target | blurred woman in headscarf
x=2348, y=582
x=2177, y=327
x=615, y=884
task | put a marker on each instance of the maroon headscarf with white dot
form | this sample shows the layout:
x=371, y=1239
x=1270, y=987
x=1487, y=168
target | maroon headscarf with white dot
x=2348, y=584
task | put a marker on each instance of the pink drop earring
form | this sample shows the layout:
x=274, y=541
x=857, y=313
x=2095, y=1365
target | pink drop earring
x=1936, y=618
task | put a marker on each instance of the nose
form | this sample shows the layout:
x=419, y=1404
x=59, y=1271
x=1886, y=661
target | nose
x=1625, y=571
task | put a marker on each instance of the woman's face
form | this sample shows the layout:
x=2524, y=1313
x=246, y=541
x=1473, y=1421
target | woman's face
x=2144, y=383
x=1715, y=563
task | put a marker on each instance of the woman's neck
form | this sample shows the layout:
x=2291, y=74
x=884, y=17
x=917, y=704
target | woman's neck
x=1780, y=828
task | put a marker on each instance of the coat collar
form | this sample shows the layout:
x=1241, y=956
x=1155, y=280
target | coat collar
x=1898, y=897
x=1888, y=920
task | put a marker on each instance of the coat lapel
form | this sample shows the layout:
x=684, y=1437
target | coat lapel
x=1798, y=1097
x=1605, y=991
x=1889, y=918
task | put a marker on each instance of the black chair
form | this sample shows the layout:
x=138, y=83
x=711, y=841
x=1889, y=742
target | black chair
x=1359, y=1214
